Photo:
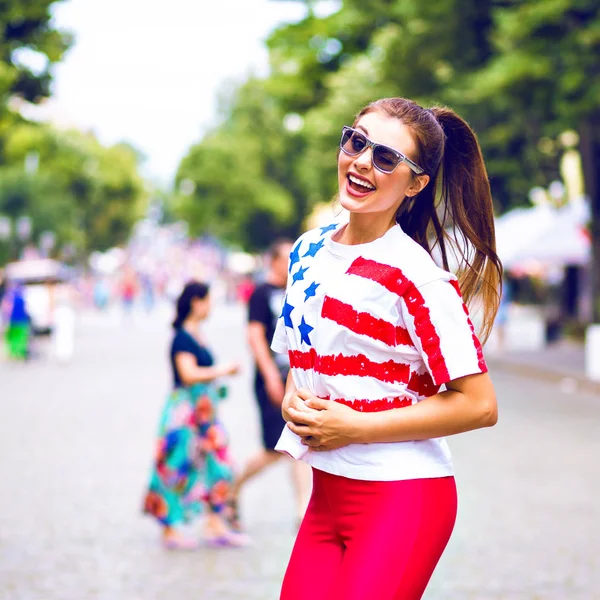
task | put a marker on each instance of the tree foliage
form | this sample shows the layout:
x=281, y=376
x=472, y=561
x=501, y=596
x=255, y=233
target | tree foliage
x=519, y=72
x=242, y=174
x=26, y=30
x=85, y=193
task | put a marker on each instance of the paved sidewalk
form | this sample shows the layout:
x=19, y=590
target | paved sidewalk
x=78, y=439
x=562, y=362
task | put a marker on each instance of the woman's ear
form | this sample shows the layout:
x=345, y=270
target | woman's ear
x=419, y=183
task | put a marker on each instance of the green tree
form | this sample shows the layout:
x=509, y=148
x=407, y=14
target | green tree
x=87, y=193
x=546, y=67
x=519, y=72
x=240, y=177
x=26, y=29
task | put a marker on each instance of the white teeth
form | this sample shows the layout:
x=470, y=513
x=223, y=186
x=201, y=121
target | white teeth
x=361, y=182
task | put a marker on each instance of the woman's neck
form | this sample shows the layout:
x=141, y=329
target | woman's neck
x=191, y=326
x=362, y=229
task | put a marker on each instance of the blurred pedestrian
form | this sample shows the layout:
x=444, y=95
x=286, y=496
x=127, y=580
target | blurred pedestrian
x=128, y=289
x=101, y=293
x=502, y=316
x=373, y=329
x=193, y=468
x=63, y=332
x=18, y=330
x=148, y=296
x=271, y=373
x=245, y=288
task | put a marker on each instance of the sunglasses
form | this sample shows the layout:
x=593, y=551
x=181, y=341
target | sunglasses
x=384, y=158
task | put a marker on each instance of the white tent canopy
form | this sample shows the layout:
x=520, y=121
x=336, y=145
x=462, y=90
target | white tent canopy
x=544, y=234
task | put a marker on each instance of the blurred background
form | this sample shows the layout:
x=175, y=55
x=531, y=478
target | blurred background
x=143, y=144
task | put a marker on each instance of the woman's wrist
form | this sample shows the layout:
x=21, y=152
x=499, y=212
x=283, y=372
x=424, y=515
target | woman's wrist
x=366, y=428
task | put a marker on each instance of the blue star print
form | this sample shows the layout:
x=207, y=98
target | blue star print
x=327, y=228
x=294, y=256
x=311, y=290
x=286, y=312
x=314, y=248
x=304, y=330
x=299, y=274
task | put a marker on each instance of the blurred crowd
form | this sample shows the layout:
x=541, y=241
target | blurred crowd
x=40, y=297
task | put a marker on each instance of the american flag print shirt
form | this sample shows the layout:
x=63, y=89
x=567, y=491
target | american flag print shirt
x=375, y=326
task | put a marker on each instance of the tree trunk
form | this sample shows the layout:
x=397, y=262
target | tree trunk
x=590, y=157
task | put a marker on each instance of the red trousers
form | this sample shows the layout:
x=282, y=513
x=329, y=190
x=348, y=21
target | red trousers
x=370, y=540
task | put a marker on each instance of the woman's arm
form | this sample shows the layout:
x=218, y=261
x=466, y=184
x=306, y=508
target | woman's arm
x=469, y=403
x=190, y=373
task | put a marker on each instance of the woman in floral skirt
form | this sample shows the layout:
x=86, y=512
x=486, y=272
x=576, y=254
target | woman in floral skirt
x=192, y=469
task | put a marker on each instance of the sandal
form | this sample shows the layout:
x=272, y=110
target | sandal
x=233, y=516
x=229, y=539
x=180, y=542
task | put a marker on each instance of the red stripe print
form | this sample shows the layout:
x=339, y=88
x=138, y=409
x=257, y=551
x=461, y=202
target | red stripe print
x=423, y=385
x=359, y=365
x=390, y=278
x=370, y=406
x=302, y=360
x=394, y=280
x=364, y=323
x=480, y=360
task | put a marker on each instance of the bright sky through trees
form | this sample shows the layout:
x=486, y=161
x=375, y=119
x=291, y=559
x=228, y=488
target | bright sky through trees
x=148, y=71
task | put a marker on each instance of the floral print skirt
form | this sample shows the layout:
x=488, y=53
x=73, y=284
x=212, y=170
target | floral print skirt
x=192, y=467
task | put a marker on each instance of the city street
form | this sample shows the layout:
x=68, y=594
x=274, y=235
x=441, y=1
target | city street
x=77, y=441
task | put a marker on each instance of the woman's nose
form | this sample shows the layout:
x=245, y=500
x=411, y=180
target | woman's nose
x=364, y=160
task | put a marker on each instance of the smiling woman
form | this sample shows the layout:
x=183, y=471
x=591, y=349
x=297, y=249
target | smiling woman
x=383, y=329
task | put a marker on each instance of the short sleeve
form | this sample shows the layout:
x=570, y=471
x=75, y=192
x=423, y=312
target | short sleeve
x=258, y=306
x=438, y=322
x=183, y=343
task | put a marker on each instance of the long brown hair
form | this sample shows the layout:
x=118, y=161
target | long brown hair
x=458, y=194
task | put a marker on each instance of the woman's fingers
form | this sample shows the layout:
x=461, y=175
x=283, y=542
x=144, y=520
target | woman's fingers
x=317, y=403
x=301, y=430
x=312, y=442
x=302, y=417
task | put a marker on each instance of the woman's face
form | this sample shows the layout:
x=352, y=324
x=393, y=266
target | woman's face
x=200, y=308
x=382, y=192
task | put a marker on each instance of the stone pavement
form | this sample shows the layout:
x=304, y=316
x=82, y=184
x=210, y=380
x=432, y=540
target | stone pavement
x=76, y=443
x=562, y=362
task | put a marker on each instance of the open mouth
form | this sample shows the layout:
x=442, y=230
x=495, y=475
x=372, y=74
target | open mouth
x=359, y=185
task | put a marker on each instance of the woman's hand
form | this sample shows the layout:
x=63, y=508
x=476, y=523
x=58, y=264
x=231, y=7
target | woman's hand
x=231, y=368
x=322, y=424
x=294, y=401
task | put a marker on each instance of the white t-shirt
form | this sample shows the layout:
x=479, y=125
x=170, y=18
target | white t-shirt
x=376, y=326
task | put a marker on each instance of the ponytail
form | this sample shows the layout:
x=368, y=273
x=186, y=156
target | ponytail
x=194, y=289
x=457, y=197
x=466, y=200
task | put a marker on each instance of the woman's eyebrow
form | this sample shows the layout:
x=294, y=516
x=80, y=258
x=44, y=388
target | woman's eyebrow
x=363, y=128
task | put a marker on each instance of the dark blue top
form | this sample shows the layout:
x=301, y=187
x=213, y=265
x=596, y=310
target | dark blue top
x=18, y=313
x=184, y=342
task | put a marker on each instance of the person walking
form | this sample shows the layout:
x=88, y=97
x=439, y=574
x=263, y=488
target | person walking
x=192, y=468
x=18, y=331
x=374, y=329
x=271, y=371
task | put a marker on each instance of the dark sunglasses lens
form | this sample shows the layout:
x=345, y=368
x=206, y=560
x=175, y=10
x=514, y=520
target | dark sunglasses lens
x=385, y=159
x=353, y=142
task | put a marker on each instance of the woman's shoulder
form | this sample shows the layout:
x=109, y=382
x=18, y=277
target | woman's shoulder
x=183, y=342
x=414, y=264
